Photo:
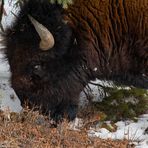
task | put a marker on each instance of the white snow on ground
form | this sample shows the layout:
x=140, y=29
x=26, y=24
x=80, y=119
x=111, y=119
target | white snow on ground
x=10, y=11
x=8, y=98
x=134, y=131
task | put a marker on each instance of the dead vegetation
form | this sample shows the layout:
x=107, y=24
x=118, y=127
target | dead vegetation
x=29, y=129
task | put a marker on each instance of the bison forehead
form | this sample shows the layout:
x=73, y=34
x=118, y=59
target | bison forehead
x=24, y=40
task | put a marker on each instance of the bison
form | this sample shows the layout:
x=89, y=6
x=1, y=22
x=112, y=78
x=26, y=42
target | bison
x=54, y=52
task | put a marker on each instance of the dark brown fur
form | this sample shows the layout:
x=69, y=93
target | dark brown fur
x=104, y=39
x=113, y=34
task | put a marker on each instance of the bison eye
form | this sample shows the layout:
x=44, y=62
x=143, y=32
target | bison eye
x=38, y=71
x=37, y=67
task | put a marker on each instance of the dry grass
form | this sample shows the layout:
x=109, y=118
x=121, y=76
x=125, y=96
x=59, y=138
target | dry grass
x=29, y=129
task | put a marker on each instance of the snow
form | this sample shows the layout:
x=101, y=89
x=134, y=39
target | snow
x=10, y=11
x=8, y=98
x=134, y=131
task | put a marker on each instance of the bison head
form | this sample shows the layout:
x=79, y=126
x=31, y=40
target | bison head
x=38, y=48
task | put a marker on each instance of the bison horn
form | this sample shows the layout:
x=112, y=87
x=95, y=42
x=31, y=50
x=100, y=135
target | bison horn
x=47, y=39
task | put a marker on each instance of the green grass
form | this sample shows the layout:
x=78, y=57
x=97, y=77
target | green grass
x=123, y=104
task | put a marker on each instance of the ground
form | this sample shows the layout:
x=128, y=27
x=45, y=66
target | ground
x=29, y=129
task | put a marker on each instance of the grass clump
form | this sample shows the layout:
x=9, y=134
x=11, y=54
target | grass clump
x=121, y=104
x=29, y=129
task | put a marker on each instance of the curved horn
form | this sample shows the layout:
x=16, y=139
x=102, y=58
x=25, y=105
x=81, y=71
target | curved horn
x=47, y=39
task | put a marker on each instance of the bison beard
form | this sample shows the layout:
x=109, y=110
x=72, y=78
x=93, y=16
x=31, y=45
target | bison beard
x=51, y=68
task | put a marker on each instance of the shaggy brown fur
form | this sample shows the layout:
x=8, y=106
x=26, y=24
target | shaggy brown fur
x=105, y=39
x=113, y=34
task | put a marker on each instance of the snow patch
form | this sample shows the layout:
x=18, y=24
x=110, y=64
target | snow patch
x=133, y=131
x=8, y=99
